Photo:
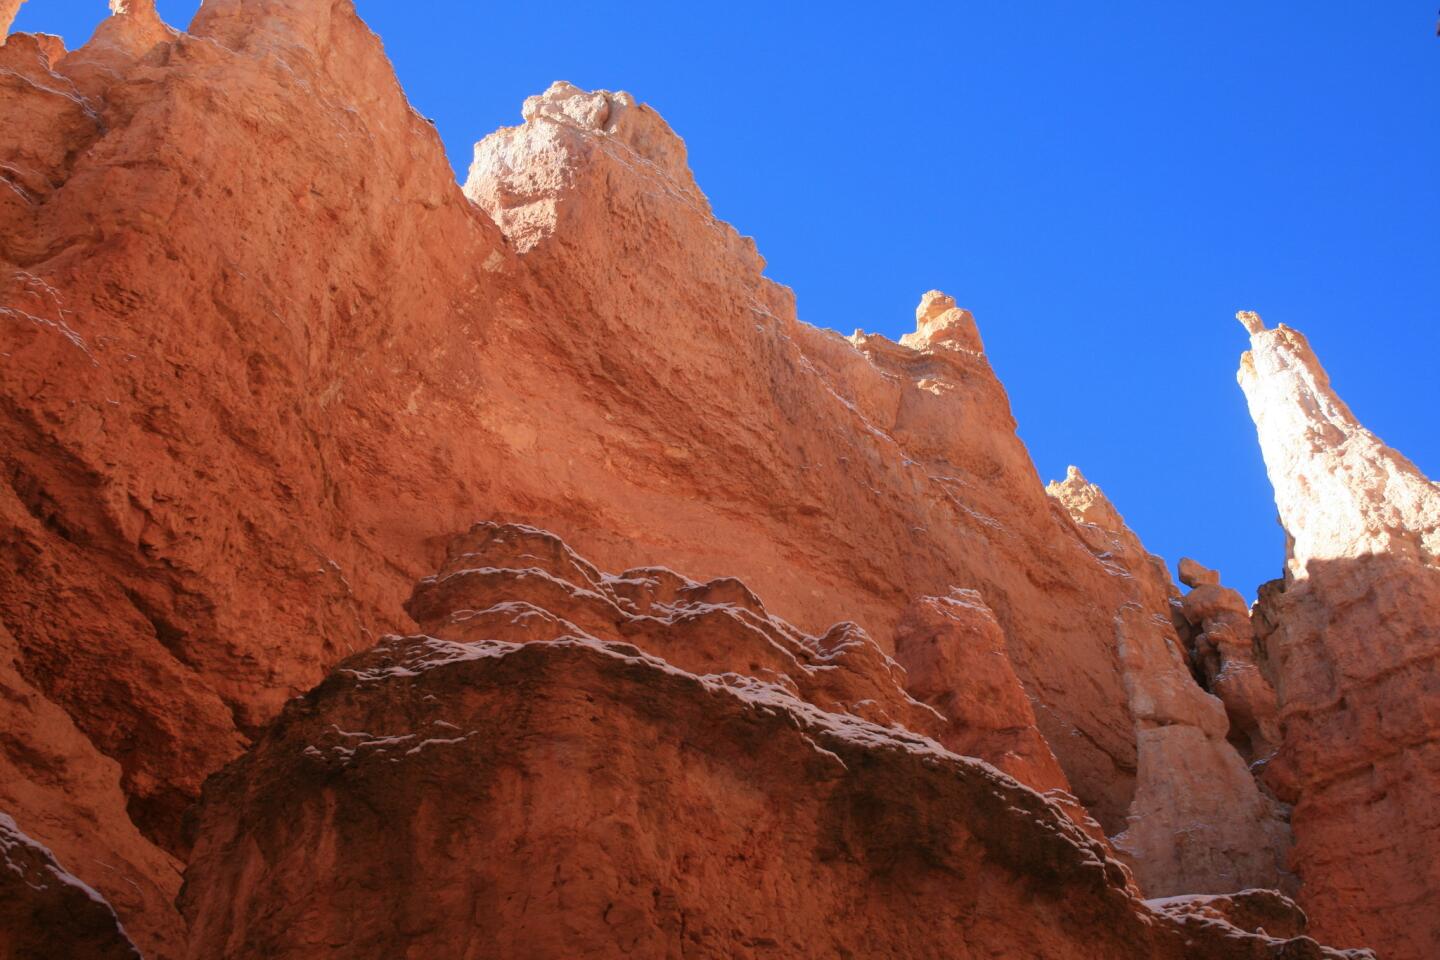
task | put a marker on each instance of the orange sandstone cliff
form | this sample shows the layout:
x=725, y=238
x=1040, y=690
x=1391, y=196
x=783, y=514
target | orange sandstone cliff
x=261, y=358
x=1352, y=636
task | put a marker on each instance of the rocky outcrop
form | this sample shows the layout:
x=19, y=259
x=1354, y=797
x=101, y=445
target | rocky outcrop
x=1258, y=910
x=46, y=913
x=1352, y=641
x=56, y=784
x=497, y=577
x=8, y=10
x=967, y=698
x=953, y=651
x=1199, y=822
x=1222, y=646
x=580, y=764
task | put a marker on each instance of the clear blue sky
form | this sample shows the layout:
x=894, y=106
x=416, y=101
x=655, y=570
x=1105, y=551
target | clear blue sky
x=1104, y=184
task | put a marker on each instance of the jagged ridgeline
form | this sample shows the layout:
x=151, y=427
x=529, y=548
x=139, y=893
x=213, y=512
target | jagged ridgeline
x=262, y=359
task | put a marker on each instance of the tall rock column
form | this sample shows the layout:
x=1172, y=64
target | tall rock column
x=8, y=10
x=1354, y=648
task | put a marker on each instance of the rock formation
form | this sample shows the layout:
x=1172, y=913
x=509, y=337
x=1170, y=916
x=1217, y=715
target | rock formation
x=46, y=913
x=1222, y=643
x=260, y=357
x=8, y=10
x=225, y=463
x=1352, y=638
x=953, y=651
x=576, y=764
x=1199, y=823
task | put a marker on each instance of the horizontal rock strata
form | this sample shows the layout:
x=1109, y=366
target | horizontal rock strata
x=531, y=778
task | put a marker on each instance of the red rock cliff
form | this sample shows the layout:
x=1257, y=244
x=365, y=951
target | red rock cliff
x=261, y=356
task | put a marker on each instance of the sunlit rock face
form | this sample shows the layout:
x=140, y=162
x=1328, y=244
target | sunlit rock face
x=264, y=354
x=1199, y=823
x=572, y=763
x=261, y=356
x=1353, y=638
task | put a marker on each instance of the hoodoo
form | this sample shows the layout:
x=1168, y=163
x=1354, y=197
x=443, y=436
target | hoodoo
x=1352, y=635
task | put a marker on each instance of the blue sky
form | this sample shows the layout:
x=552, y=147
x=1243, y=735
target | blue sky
x=1104, y=184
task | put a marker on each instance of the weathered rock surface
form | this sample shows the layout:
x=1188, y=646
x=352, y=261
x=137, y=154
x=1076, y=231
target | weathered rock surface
x=261, y=354
x=1199, y=822
x=1222, y=643
x=1255, y=910
x=953, y=650
x=1352, y=641
x=57, y=785
x=46, y=913
x=519, y=785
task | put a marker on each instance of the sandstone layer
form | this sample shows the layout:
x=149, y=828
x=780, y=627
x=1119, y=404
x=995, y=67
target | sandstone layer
x=576, y=764
x=1353, y=638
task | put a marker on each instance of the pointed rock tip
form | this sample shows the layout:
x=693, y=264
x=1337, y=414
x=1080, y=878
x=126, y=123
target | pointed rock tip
x=8, y=10
x=939, y=321
x=1250, y=320
x=590, y=109
x=933, y=304
x=1075, y=484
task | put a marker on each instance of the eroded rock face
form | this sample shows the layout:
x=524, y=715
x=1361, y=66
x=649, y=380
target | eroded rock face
x=46, y=912
x=8, y=10
x=953, y=650
x=521, y=785
x=262, y=356
x=965, y=696
x=237, y=426
x=499, y=578
x=57, y=785
x=1255, y=910
x=1199, y=822
x=1353, y=640
x=1223, y=647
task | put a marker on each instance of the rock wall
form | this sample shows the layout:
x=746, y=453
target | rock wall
x=1352, y=640
x=1199, y=823
x=238, y=424
x=571, y=763
x=46, y=912
x=260, y=356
